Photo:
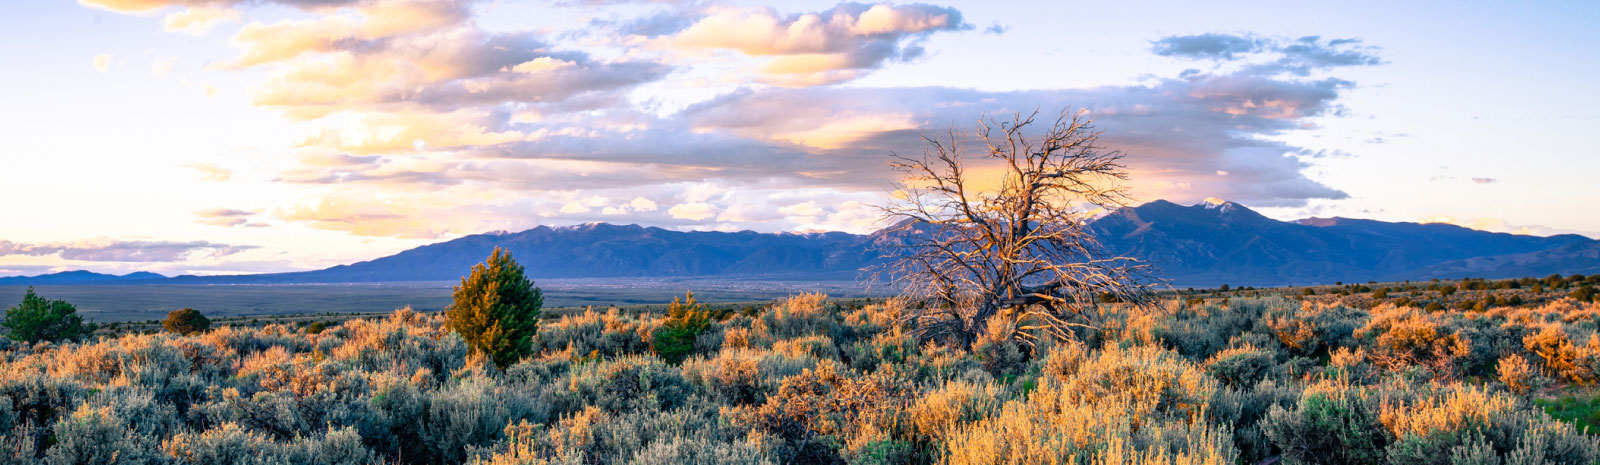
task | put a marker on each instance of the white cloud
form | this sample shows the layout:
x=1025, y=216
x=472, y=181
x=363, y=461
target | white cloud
x=695, y=211
x=642, y=204
x=574, y=207
x=162, y=67
x=198, y=20
x=102, y=62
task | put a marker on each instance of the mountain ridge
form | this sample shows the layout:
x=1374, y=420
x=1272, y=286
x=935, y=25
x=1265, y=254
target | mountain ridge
x=1209, y=243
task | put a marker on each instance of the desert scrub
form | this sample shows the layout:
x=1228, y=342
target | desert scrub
x=1241, y=366
x=745, y=376
x=798, y=316
x=822, y=415
x=1517, y=374
x=1084, y=412
x=1333, y=423
x=1402, y=337
x=806, y=381
x=608, y=334
x=628, y=383
x=1429, y=428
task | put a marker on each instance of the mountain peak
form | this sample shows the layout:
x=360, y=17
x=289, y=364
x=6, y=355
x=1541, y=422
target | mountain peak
x=1213, y=203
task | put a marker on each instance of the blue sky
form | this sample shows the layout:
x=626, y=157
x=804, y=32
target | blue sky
x=210, y=136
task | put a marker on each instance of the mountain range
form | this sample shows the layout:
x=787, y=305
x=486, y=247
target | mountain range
x=1207, y=244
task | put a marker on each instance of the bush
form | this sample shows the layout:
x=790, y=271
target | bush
x=1241, y=367
x=496, y=310
x=186, y=321
x=675, y=339
x=1332, y=424
x=1517, y=374
x=39, y=319
x=1084, y=411
x=630, y=383
x=1583, y=294
x=1434, y=424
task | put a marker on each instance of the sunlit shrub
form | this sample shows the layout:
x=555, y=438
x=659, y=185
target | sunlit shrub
x=473, y=411
x=1332, y=424
x=798, y=316
x=1089, y=416
x=1428, y=429
x=821, y=415
x=232, y=444
x=1516, y=374
x=115, y=427
x=630, y=383
x=745, y=376
x=1402, y=337
x=1241, y=366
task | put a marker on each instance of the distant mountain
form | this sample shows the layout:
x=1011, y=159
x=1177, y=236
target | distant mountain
x=80, y=277
x=1214, y=242
x=606, y=250
x=1222, y=242
x=1580, y=258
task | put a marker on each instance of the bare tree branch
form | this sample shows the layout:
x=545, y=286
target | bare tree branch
x=966, y=251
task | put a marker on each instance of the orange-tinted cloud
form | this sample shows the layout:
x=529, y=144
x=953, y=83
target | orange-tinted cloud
x=823, y=47
x=198, y=20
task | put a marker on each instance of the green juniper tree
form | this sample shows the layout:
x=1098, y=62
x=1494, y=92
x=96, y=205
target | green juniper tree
x=186, y=321
x=40, y=319
x=496, y=309
x=686, y=319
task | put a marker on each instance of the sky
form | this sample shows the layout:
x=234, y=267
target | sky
x=243, y=136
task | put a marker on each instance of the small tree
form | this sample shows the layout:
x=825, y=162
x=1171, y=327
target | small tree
x=1017, y=247
x=39, y=319
x=674, y=341
x=496, y=309
x=186, y=321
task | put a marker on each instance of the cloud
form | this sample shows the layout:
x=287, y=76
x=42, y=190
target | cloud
x=1206, y=46
x=198, y=20
x=364, y=214
x=107, y=250
x=694, y=211
x=1484, y=180
x=143, y=6
x=642, y=204
x=162, y=67
x=822, y=47
x=227, y=217
x=102, y=63
x=574, y=207
x=416, y=122
x=210, y=172
x=1179, y=132
x=362, y=62
x=1299, y=56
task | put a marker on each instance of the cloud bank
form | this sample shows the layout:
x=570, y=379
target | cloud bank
x=421, y=123
x=106, y=250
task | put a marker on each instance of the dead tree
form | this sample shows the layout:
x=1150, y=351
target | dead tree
x=1017, y=247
